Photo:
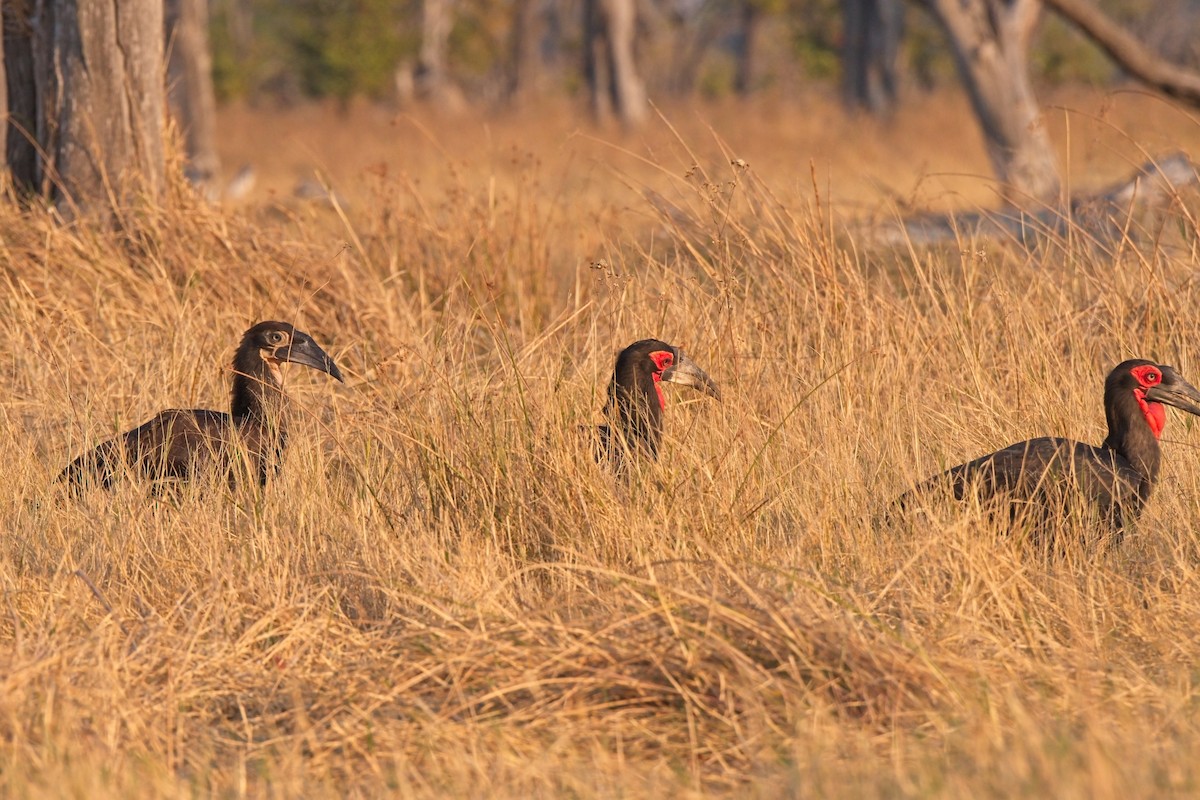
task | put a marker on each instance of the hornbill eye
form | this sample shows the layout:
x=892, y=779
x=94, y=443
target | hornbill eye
x=276, y=337
x=1151, y=377
x=662, y=359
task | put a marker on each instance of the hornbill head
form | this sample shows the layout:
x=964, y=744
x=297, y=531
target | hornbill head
x=1151, y=386
x=635, y=396
x=279, y=342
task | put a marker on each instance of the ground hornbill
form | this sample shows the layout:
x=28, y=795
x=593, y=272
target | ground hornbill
x=1114, y=479
x=185, y=443
x=636, y=402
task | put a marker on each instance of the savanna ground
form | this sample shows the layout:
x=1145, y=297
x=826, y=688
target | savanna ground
x=443, y=595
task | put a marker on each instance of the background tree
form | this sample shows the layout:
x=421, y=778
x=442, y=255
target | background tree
x=990, y=40
x=750, y=22
x=190, y=87
x=871, y=39
x=523, y=51
x=609, y=66
x=432, y=76
x=85, y=84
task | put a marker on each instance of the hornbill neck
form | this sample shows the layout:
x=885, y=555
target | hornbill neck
x=1130, y=436
x=635, y=410
x=257, y=385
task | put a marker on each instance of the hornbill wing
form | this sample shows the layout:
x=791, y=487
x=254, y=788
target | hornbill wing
x=1019, y=468
x=1039, y=467
x=178, y=443
x=172, y=444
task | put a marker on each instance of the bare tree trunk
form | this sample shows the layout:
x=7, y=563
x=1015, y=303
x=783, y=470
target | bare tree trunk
x=593, y=46
x=610, y=27
x=991, y=39
x=431, y=77
x=108, y=111
x=523, y=51
x=20, y=150
x=190, y=87
x=3, y=90
x=629, y=94
x=86, y=101
x=747, y=52
x=873, y=32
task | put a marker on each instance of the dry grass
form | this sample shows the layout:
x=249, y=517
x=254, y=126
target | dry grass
x=443, y=595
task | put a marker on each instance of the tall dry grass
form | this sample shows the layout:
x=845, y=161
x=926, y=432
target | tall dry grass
x=443, y=595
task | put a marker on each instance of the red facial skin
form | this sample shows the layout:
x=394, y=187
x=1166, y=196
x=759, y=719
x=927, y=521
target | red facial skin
x=1156, y=416
x=662, y=360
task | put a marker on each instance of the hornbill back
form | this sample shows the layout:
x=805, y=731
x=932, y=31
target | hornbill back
x=185, y=443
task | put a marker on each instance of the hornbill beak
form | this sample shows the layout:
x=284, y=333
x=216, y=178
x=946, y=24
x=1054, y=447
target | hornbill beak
x=303, y=350
x=1175, y=391
x=688, y=372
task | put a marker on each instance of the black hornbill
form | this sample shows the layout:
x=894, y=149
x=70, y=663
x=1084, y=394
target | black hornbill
x=184, y=443
x=636, y=402
x=1115, y=478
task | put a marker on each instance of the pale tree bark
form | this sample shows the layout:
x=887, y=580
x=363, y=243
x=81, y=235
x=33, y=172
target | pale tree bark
x=109, y=105
x=990, y=40
x=190, y=87
x=610, y=27
x=90, y=95
x=432, y=78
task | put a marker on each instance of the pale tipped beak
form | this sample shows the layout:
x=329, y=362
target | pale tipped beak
x=688, y=373
x=1175, y=391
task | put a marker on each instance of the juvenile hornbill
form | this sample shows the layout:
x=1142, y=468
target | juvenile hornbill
x=1114, y=479
x=636, y=402
x=185, y=443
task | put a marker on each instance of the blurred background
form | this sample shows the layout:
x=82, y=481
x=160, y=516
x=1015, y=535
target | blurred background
x=496, y=56
x=244, y=76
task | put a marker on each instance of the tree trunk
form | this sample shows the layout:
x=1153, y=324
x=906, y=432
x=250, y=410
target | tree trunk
x=873, y=32
x=629, y=94
x=87, y=76
x=3, y=89
x=747, y=51
x=190, y=87
x=523, y=51
x=610, y=27
x=20, y=150
x=990, y=39
x=431, y=77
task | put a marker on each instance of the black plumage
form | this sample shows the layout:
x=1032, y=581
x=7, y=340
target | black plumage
x=635, y=403
x=186, y=443
x=1114, y=479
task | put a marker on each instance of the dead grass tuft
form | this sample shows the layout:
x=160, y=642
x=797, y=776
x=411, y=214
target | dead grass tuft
x=443, y=595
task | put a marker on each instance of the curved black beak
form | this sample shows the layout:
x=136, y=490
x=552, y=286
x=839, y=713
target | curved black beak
x=303, y=350
x=1175, y=391
x=688, y=373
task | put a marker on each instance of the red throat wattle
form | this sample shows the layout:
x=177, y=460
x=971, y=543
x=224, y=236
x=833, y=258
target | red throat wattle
x=1149, y=376
x=662, y=359
x=1155, y=413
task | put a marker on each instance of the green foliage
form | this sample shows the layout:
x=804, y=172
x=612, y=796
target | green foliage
x=316, y=48
x=1062, y=55
x=342, y=48
x=816, y=36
